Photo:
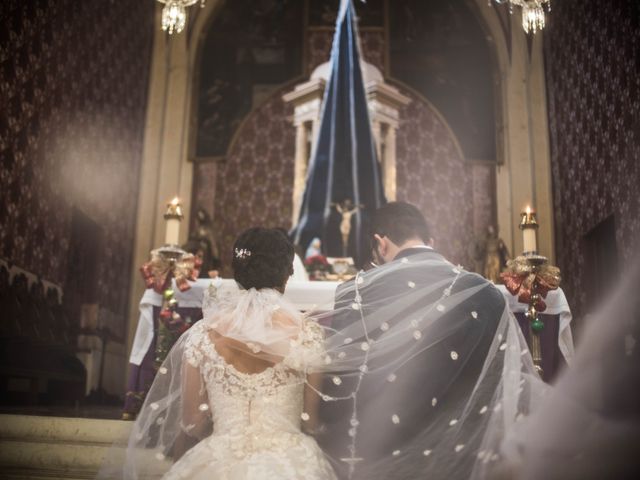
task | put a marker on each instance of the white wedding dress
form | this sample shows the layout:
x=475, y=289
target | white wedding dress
x=256, y=421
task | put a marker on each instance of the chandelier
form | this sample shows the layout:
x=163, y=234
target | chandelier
x=533, y=12
x=174, y=14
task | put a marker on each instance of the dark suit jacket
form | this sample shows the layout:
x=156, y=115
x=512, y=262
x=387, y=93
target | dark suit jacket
x=449, y=382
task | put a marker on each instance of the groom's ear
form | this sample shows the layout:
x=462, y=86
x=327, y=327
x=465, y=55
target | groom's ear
x=380, y=245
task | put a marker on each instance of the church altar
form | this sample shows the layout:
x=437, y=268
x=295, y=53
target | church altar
x=310, y=295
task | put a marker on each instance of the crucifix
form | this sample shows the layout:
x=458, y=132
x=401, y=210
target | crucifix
x=346, y=209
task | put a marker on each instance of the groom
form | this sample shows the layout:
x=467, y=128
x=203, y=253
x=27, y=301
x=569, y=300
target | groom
x=400, y=240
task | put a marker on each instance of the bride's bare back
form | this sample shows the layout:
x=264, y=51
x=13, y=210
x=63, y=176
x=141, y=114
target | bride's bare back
x=234, y=354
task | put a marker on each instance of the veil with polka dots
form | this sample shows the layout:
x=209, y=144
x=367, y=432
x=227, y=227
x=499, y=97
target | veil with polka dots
x=418, y=367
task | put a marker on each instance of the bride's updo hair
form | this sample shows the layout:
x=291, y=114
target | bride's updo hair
x=262, y=258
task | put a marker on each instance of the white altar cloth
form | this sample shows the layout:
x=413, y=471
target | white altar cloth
x=556, y=305
x=311, y=295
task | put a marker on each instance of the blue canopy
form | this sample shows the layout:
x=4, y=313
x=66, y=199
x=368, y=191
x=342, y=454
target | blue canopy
x=344, y=166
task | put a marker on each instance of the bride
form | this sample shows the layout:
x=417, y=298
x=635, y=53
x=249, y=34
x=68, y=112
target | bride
x=234, y=386
x=244, y=392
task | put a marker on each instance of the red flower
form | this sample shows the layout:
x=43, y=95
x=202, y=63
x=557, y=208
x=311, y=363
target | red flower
x=316, y=260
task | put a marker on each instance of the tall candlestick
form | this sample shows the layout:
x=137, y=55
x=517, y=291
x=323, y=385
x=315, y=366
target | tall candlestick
x=529, y=227
x=173, y=216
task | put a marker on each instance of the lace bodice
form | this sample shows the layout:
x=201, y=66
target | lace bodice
x=253, y=405
x=256, y=417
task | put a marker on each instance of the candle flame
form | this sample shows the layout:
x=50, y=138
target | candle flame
x=175, y=201
x=528, y=210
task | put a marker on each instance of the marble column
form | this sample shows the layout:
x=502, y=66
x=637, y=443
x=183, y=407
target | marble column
x=389, y=167
x=523, y=173
x=376, y=129
x=300, y=169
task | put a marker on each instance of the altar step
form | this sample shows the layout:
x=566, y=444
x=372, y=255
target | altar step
x=39, y=448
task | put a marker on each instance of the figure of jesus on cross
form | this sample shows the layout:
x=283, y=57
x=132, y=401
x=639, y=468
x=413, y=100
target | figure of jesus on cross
x=346, y=209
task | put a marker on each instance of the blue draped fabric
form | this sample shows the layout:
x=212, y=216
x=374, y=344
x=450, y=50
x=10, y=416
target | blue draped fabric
x=344, y=165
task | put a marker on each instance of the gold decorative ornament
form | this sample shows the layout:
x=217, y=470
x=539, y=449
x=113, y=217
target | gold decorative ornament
x=174, y=14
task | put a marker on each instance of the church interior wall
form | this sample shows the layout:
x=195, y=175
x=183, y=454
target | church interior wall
x=592, y=54
x=255, y=182
x=433, y=175
x=102, y=114
x=73, y=94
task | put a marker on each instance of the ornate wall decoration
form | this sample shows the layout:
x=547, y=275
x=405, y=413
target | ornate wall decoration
x=255, y=182
x=242, y=66
x=73, y=89
x=593, y=83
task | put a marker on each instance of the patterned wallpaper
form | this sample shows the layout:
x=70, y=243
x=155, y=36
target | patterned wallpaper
x=434, y=176
x=73, y=97
x=255, y=183
x=592, y=52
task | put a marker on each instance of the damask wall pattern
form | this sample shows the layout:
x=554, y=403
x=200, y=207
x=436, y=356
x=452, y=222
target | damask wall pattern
x=73, y=94
x=255, y=182
x=433, y=175
x=592, y=53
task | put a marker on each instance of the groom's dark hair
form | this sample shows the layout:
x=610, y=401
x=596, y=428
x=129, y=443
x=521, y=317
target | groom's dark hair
x=262, y=258
x=400, y=221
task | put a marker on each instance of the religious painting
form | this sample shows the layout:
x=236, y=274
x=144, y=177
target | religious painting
x=241, y=66
x=439, y=49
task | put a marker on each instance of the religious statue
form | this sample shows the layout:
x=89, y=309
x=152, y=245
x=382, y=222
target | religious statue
x=203, y=243
x=346, y=209
x=315, y=248
x=204, y=230
x=490, y=255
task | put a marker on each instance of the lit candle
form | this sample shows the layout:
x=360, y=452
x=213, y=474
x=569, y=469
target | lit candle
x=529, y=227
x=173, y=216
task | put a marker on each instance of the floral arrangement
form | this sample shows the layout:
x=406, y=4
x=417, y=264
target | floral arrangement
x=317, y=266
x=316, y=262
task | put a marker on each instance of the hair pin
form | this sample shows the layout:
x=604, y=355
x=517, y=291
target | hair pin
x=242, y=253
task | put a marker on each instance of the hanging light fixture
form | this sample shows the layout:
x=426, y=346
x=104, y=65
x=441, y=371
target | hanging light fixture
x=174, y=14
x=533, y=12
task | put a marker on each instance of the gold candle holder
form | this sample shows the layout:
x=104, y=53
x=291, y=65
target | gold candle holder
x=535, y=324
x=529, y=226
x=530, y=277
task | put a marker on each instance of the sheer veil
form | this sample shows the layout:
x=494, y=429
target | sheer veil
x=588, y=427
x=423, y=371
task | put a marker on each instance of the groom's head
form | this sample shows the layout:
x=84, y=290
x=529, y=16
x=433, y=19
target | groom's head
x=396, y=226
